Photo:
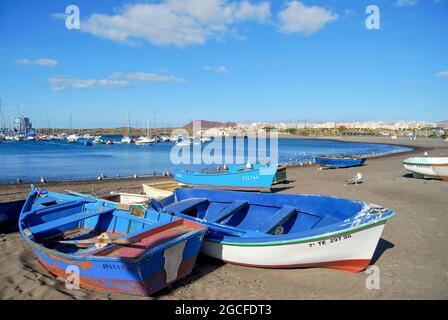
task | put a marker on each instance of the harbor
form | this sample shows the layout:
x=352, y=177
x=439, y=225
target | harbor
x=410, y=254
x=233, y=158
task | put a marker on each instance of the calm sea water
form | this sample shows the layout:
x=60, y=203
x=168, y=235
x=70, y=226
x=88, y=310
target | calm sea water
x=59, y=160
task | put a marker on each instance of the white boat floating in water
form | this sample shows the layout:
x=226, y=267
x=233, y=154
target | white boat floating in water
x=428, y=167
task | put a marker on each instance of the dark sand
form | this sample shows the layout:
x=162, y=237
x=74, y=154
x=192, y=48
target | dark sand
x=412, y=255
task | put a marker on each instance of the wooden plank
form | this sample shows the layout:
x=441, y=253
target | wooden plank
x=69, y=219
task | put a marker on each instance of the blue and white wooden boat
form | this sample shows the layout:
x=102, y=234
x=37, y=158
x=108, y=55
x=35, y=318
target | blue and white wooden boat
x=282, y=230
x=236, y=177
x=135, y=252
x=339, y=162
x=9, y=213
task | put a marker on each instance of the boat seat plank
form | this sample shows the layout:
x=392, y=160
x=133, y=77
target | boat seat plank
x=278, y=218
x=146, y=240
x=326, y=221
x=137, y=219
x=220, y=215
x=69, y=219
x=185, y=205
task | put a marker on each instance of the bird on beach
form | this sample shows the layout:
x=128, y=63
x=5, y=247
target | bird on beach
x=42, y=180
x=135, y=176
x=426, y=153
x=101, y=177
x=355, y=179
x=19, y=180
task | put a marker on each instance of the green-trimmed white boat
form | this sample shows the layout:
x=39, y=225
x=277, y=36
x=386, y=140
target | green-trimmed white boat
x=282, y=230
x=428, y=167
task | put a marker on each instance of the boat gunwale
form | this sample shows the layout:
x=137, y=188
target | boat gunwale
x=302, y=240
x=261, y=241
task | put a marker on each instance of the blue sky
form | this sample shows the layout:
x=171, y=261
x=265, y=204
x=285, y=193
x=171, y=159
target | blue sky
x=173, y=61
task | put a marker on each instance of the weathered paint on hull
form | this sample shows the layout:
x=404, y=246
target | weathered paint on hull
x=428, y=170
x=141, y=278
x=250, y=179
x=352, y=252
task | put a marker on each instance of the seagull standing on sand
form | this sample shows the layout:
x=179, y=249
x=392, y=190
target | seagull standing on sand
x=355, y=179
x=42, y=180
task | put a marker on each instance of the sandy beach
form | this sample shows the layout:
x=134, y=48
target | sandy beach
x=411, y=255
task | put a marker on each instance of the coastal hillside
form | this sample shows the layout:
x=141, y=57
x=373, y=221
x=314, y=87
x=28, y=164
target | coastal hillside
x=205, y=124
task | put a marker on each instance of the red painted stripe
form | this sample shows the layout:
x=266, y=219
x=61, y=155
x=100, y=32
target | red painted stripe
x=355, y=265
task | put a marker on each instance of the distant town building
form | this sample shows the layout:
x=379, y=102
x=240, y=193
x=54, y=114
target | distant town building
x=22, y=124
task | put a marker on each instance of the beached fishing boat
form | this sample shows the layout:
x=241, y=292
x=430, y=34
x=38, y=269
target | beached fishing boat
x=9, y=213
x=235, y=177
x=428, y=167
x=155, y=193
x=282, y=230
x=135, y=252
x=339, y=162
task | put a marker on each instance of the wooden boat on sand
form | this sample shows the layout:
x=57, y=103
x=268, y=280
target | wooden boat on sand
x=339, y=162
x=9, y=213
x=135, y=252
x=257, y=178
x=428, y=167
x=282, y=230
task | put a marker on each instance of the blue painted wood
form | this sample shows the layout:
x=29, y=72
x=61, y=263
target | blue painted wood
x=337, y=162
x=301, y=216
x=137, y=269
x=185, y=205
x=70, y=219
x=9, y=212
x=260, y=177
x=277, y=219
x=227, y=211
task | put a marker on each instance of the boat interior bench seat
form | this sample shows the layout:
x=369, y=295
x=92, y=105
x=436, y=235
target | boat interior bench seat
x=69, y=219
x=184, y=205
x=276, y=219
x=232, y=208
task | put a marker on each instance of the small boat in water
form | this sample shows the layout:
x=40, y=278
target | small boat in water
x=428, y=167
x=236, y=177
x=135, y=252
x=339, y=161
x=282, y=230
x=9, y=213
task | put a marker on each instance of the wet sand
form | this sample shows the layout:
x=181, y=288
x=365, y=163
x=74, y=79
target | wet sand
x=411, y=255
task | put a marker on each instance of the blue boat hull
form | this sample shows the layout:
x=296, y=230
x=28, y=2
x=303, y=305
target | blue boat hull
x=164, y=248
x=339, y=163
x=282, y=230
x=259, y=178
x=9, y=213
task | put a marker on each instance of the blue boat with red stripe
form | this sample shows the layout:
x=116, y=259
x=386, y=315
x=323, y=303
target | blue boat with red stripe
x=99, y=246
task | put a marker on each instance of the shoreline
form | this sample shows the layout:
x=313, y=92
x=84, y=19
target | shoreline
x=350, y=139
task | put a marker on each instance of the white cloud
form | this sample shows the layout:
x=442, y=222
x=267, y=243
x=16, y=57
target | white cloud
x=24, y=61
x=45, y=62
x=298, y=18
x=175, y=22
x=61, y=83
x=115, y=80
x=146, y=77
x=406, y=3
x=220, y=69
x=443, y=74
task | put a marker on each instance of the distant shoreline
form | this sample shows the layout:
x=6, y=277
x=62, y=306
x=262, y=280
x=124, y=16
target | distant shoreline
x=373, y=140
